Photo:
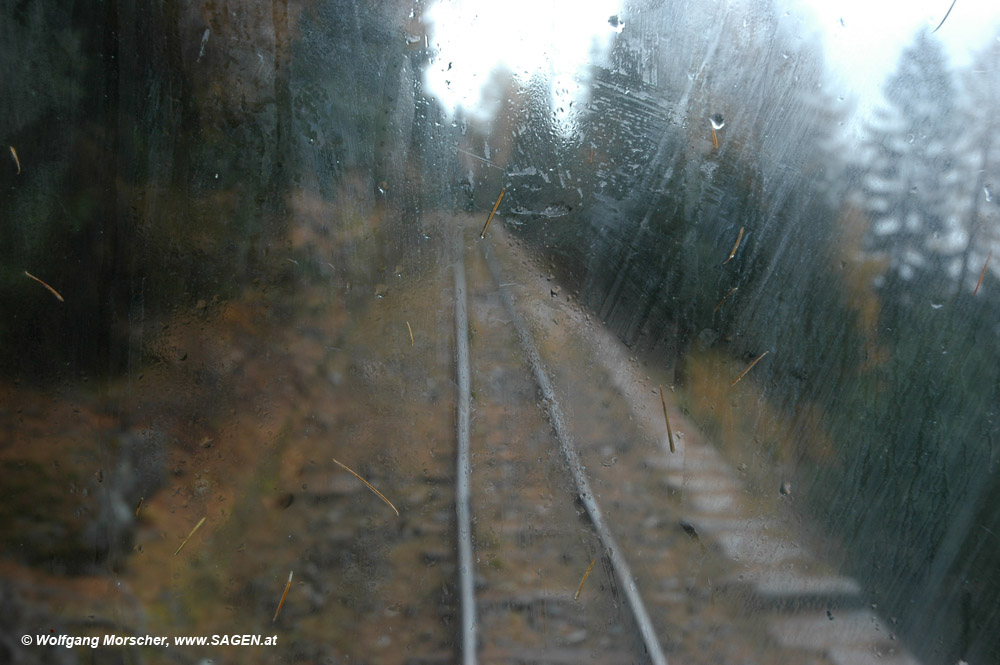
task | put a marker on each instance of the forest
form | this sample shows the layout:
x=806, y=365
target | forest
x=159, y=152
x=861, y=266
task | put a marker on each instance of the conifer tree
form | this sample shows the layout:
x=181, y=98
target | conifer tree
x=911, y=172
x=981, y=164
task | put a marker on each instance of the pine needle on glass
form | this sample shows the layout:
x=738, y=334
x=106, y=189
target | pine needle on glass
x=585, y=576
x=670, y=434
x=725, y=298
x=281, y=603
x=51, y=290
x=193, y=531
x=748, y=369
x=370, y=486
x=493, y=212
x=735, y=247
x=982, y=274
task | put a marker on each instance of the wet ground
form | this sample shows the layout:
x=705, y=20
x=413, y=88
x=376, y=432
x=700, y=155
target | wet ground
x=249, y=401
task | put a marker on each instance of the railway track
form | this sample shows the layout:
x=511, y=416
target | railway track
x=532, y=531
x=566, y=463
x=581, y=538
x=488, y=558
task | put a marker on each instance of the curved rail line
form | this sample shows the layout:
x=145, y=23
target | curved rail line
x=584, y=493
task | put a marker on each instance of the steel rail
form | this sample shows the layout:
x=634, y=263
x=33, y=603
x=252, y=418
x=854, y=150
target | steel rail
x=466, y=570
x=584, y=493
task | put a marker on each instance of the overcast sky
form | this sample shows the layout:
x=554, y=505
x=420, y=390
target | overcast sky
x=864, y=49
x=862, y=42
x=554, y=38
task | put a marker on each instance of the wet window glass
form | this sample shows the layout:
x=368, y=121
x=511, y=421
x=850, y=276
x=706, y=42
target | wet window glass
x=442, y=331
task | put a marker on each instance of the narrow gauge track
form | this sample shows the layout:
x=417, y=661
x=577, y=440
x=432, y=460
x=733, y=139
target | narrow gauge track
x=531, y=526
